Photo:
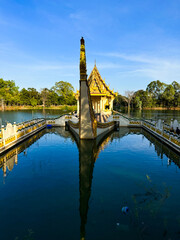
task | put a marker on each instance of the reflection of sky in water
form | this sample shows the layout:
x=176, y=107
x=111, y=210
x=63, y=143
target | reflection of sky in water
x=165, y=115
x=53, y=190
x=20, y=116
x=24, y=115
x=134, y=143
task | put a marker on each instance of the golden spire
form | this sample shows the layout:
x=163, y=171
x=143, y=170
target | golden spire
x=83, y=75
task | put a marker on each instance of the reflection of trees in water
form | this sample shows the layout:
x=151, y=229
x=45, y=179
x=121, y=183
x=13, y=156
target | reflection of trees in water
x=150, y=198
x=161, y=149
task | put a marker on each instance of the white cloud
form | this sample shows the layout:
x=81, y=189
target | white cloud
x=77, y=16
x=142, y=58
x=164, y=69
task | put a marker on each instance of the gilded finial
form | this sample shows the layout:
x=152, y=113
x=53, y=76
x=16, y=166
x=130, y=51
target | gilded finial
x=83, y=75
x=82, y=41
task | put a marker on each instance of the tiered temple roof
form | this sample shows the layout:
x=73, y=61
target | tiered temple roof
x=97, y=85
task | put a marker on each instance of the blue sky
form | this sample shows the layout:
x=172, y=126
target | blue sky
x=133, y=42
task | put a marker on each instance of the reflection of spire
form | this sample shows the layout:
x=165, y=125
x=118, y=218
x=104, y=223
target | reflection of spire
x=87, y=153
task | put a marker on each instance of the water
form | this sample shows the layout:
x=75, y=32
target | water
x=24, y=115
x=165, y=115
x=53, y=187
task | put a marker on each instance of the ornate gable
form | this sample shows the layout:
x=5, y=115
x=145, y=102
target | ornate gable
x=97, y=84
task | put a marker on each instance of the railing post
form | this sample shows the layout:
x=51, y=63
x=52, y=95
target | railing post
x=66, y=126
x=3, y=139
x=15, y=130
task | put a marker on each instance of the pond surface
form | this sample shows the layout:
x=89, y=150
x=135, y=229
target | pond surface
x=165, y=115
x=53, y=188
x=24, y=115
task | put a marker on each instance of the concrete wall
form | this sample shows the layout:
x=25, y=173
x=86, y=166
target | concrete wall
x=60, y=122
x=86, y=130
x=14, y=134
x=123, y=122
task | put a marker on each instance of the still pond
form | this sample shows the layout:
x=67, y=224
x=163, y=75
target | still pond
x=52, y=187
x=24, y=115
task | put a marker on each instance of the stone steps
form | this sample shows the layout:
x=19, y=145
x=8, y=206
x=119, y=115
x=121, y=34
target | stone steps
x=102, y=117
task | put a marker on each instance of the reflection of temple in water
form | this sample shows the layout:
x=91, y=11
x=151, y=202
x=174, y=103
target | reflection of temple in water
x=10, y=158
x=88, y=154
x=89, y=151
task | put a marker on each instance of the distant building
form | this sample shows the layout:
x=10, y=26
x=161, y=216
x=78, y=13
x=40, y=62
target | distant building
x=102, y=97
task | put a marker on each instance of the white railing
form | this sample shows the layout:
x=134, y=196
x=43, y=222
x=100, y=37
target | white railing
x=13, y=132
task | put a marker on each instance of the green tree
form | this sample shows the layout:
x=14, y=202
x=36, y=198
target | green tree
x=33, y=93
x=168, y=96
x=33, y=102
x=44, y=96
x=65, y=92
x=9, y=92
x=156, y=89
x=176, y=87
x=119, y=102
x=138, y=102
x=144, y=97
x=24, y=97
x=52, y=98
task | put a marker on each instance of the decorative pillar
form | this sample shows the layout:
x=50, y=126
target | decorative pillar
x=15, y=130
x=100, y=106
x=3, y=137
x=111, y=104
x=87, y=121
x=78, y=106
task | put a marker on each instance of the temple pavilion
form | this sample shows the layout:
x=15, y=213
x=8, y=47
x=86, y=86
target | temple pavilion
x=101, y=95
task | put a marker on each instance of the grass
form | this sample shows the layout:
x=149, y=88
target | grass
x=59, y=107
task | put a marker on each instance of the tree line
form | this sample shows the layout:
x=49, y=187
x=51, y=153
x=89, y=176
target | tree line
x=60, y=94
x=157, y=94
